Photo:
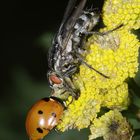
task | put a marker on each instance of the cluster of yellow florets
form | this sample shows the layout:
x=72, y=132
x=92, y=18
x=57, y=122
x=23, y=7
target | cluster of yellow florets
x=116, y=98
x=114, y=56
x=80, y=113
x=127, y=12
x=112, y=126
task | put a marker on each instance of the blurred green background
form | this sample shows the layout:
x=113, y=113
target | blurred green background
x=27, y=30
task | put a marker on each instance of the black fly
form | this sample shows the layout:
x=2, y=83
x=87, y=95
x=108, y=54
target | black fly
x=64, y=56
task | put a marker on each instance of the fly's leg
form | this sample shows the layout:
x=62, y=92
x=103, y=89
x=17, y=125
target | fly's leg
x=71, y=71
x=89, y=66
x=67, y=77
x=103, y=33
x=71, y=88
x=85, y=34
x=81, y=60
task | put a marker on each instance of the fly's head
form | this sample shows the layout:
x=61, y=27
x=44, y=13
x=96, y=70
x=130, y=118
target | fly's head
x=55, y=80
x=60, y=88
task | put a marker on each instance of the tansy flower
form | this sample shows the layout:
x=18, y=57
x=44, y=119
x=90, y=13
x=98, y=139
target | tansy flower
x=111, y=126
x=114, y=56
x=80, y=112
x=116, y=98
x=126, y=12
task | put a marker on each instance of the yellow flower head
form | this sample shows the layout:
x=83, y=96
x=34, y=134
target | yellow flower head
x=111, y=126
x=116, y=98
x=111, y=58
x=80, y=112
x=126, y=12
x=115, y=55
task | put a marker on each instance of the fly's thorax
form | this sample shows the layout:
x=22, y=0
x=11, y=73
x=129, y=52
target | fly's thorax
x=66, y=47
x=85, y=22
x=94, y=19
x=65, y=62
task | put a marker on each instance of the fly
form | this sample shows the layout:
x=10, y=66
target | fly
x=65, y=54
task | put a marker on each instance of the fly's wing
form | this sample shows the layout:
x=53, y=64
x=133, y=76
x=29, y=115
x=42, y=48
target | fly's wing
x=55, y=46
x=66, y=28
x=69, y=24
x=68, y=11
x=69, y=20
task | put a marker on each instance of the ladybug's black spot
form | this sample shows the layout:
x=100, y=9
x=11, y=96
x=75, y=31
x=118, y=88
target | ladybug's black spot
x=39, y=130
x=40, y=112
x=46, y=99
x=54, y=114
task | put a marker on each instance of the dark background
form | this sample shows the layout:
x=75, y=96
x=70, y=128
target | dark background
x=27, y=28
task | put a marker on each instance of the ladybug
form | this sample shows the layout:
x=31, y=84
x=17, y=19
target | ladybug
x=43, y=116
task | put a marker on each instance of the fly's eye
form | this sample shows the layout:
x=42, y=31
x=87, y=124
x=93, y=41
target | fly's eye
x=55, y=79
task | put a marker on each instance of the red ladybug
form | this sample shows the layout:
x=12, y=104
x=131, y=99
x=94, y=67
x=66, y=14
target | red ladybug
x=43, y=117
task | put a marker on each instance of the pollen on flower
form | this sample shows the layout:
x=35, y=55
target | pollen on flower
x=112, y=125
x=122, y=12
x=116, y=98
x=116, y=58
x=80, y=113
x=113, y=57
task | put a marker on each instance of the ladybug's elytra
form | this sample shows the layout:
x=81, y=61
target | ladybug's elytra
x=43, y=116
